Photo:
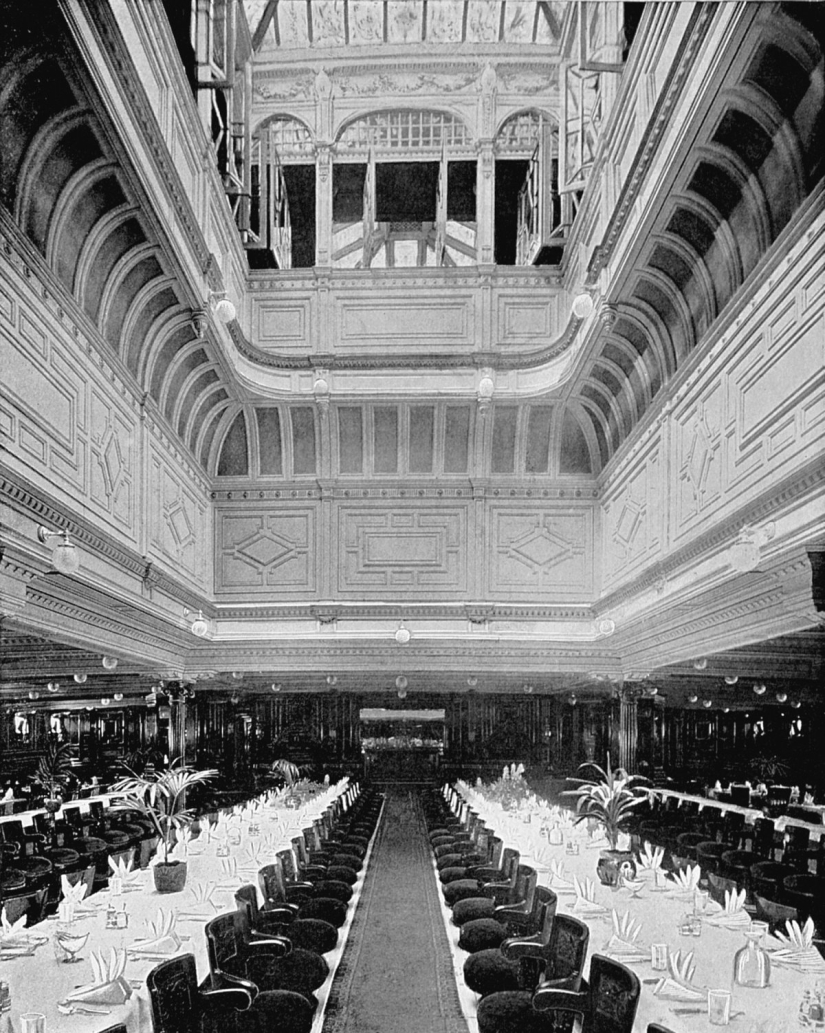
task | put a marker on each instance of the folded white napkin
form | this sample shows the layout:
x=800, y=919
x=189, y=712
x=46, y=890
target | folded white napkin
x=796, y=947
x=253, y=856
x=733, y=914
x=623, y=944
x=650, y=859
x=586, y=898
x=124, y=870
x=9, y=794
x=13, y=934
x=108, y=986
x=559, y=879
x=683, y=883
x=677, y=985
x=163, y=939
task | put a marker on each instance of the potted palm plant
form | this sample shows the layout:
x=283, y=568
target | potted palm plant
x=290, y=772
x=53, y=771
x=161, y=797
x=608, y=798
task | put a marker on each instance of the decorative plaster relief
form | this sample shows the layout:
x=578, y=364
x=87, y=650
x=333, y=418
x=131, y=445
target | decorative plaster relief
x=283, y=86
x=632, y=517
x=521, y=318
x=113, y=460
x=388, y=84
x=258, y=551
x=420, y=550
x=698, y=454
x=178, y=520
x=542, y=554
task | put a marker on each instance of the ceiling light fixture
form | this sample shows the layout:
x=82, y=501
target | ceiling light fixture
x=105, y=701
x=693, y=698
x=81, y=678
x=332, y=679
x=528, y=689
x=275, y=687
x=707, y=703
x=760, y=688
x=781, y=697
x=222, y=306
x=582, y=305
x=472, y=681
x=65, y=557
x=199, y=625
x=572, y=700
x=118, y=696
x=796, y=704
x=402, y=693
x=731, y=679
x=402, y=635
x=401, y=682
x=109, y=662
x=53, y=686
x=701, y=663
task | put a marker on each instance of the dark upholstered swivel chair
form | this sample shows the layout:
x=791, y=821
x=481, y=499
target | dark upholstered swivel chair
x=563, y=956
x=227, y=1005
x=489, y=895
x=505, y=861
x=312, y=898
x=271, y=964
x=518, y=962
x=507, y=917
x=606, y=1004
x=285, y=920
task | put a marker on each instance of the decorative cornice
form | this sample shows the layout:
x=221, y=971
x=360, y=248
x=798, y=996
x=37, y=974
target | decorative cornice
x=476, y=613
x=298, y=493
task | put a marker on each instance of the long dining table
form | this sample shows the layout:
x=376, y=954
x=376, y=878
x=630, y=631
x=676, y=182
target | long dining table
x=660, y=914
x=39, y=982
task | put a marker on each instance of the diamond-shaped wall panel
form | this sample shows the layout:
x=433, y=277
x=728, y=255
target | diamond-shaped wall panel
x=543, y=554
x=265, y=553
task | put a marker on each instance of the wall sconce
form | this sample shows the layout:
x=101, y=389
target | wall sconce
x=80, y=679
x=199, y=625
x=109, y=662
x=401, y=682
x=402, y=635
x=65, y=557
x=746, y=552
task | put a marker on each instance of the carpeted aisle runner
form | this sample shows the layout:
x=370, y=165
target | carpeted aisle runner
x=396, y=974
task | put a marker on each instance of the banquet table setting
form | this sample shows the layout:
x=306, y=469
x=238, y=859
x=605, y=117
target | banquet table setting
x=664, y=926
x=85, y=968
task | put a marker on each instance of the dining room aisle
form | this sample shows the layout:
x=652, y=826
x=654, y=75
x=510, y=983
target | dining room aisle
x=396, y=974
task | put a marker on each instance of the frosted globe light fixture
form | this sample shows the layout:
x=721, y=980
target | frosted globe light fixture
x=693, y=698
x=118, y=696
x=707, y=703
x=34, y=695
x=402, y=635
x=223, y=308
x=796, y=704
x=65, y=557
x=105, y=701
x=572, y=699
x=582, y=306
x=275, y=687
x=472, y=681
x=701, y=663
x=53, y=686
x=109, y=662
x=486, y=387
x=401, y=682
x=80, y=679
x=760, y=688
x=781, y=697
x=199, y=626
x=332, y=679
x=731, y=679
x=528, y=689
x=402, y=694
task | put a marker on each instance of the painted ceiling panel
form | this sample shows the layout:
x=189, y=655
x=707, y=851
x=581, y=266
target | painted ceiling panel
x=366, y=22
x=519, y=21
x=328, y=28
x=444, y=21
x=483, y=20
x=292, y=23
x=404, y=21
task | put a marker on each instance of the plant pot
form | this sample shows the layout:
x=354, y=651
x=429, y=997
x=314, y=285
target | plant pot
x=170, y=876
x=52, y=805
x=614, y=865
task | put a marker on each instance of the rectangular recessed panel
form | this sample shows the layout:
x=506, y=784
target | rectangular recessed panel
x=385, y=440
x=504, y=439
x=350, y=440
x=404, y=320
x=456, y=439
x=538, y=439
x=303, y=439
x=410, y=550
x=269, y=438
x=421, y=438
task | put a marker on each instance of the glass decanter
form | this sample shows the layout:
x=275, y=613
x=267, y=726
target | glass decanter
x=555, y=837
x=752, y=963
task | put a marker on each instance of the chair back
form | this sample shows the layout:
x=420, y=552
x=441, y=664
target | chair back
x=733, y=825
x=614, y=996
x=173, y=993
x=246, y=897
x=795, y=850
x=510, y=866
x=287, y=861
x=526, y=889
x=29, y=904
x=271, y=881
x=762, y=837
x=740, y=795
x=224, y=942
x=718, y=885
x=86, y=876
x=567, y=947
x=775, y=914
x=547, y=913
x=496, y=851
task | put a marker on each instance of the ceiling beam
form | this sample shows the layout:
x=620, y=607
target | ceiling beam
x=270, y=13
